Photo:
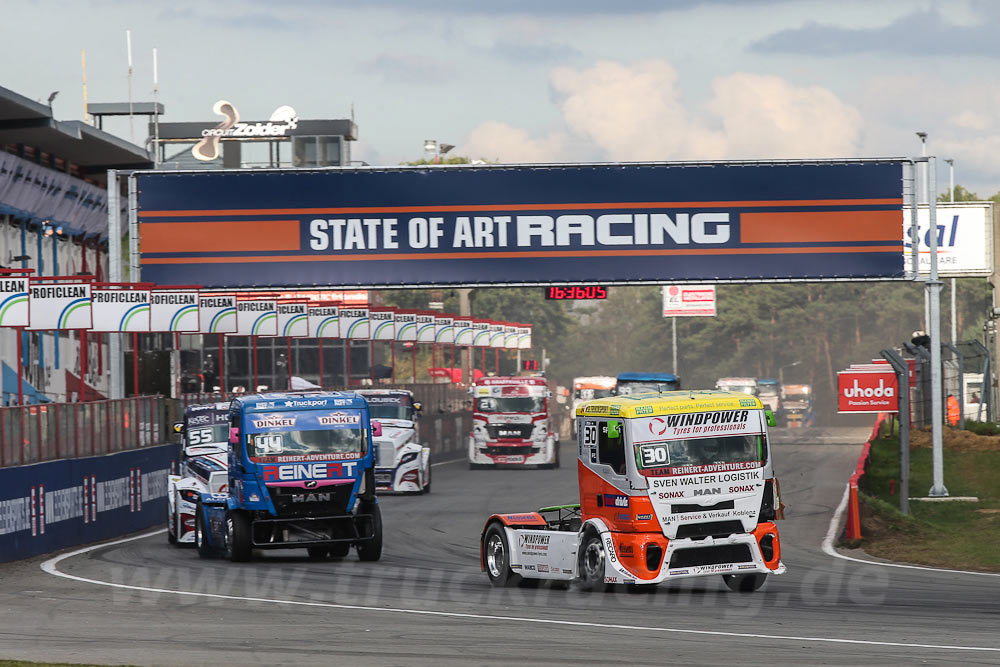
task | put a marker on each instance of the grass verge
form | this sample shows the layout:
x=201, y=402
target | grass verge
x=957, y=534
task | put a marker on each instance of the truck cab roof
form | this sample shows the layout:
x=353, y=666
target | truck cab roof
x=652, y=404
x=317, y=400
x=641, y=376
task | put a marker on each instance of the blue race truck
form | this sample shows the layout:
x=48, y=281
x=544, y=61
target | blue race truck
x=301, y=475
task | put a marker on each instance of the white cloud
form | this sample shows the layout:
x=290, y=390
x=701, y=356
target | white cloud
x=493, y=141
x=630, y=112
x=768, y=117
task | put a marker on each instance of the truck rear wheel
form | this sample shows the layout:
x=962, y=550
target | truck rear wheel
x=496, y=556
x=591, y=563
x=238, y=546
x=744, y=583
x=371, y=550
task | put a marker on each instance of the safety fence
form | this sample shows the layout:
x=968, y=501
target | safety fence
x=852, y=531
x=966, y=396
x=50, y=431
x=57, y=504
x=434, y=397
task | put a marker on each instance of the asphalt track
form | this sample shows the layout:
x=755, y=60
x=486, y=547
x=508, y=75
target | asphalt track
x=427, y=603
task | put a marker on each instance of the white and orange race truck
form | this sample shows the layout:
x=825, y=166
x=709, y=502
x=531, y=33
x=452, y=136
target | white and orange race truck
x=672, y=485
x=510, y=423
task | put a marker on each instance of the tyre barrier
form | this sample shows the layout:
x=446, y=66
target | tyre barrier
x=49, y=506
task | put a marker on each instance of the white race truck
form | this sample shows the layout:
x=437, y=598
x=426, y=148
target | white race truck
x=510, y=423
x=402, y=464
x=203, y=468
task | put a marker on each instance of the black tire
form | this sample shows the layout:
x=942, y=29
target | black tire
x=172, y=532
x=205, y=550
x=496, y=556
x=744, y=583
x=317, y=553
x=591, y=563
x=427, y=482
x=340, y=549
x=239, y=548
x=371, y=550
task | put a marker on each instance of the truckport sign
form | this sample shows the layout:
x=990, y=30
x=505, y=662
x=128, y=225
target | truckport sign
x=867, y=391
x=523, y=224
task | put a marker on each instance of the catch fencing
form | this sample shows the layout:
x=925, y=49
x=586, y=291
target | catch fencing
x=966, y=395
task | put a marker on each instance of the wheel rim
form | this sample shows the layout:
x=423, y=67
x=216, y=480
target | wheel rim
x=496, y=558
x=229, y=531
x=593, y=561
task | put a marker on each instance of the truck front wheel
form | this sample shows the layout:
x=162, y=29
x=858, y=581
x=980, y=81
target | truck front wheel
x=238, y=546
x=744, y=583
x=200, y=539
x=591, y=565
x=371, y=550
x=496, y=557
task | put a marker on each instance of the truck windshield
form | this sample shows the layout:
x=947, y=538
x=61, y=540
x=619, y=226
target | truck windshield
x=591, y=394
x=388, y=411
x=702, y=451
x=625, y=388
x=510, y=404
x=336, y=442
x=207, y=435
x=740, y=388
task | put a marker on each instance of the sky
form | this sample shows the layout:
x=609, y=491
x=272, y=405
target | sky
x=547, y=80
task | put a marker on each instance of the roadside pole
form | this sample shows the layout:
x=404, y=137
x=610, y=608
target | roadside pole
x=675, y=345
x=903, y=384
x=933, y=287
x=115, y=276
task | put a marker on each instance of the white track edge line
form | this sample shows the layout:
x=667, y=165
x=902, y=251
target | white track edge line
x=49, y=567
x=830, y=550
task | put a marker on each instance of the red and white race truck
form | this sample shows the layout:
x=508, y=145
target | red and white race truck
x=510, y=423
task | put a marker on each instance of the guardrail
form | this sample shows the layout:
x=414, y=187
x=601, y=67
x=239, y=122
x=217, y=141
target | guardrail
x=51, y=431
x=853, y=529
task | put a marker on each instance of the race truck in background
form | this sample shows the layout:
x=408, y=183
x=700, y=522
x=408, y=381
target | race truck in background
x=627, y=384
x=672, y=486
x=510, y=423
x=739, y=385
x=589, y=388
x=301, y=475
x=402, y=464
x=769, y=393
x=204, y=459
x=796, y=406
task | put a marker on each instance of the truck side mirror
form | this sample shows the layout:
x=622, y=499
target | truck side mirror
x=376, y=429
x=771, y=421
x=234, y=435
x=418, y=406
x=614, y=429
x=178, y=427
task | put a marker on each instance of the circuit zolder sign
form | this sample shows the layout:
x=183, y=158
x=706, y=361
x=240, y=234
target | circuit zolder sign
x=530, y=224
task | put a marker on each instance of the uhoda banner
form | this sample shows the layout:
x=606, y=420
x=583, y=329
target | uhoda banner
x=174, y=310
x=324, y=321
x=121, y=309
x=524, y=224
x=217, y=313
x=59, y=305
x=383, y=323
x=293, y=320
x=257, y=317
x=14, y=297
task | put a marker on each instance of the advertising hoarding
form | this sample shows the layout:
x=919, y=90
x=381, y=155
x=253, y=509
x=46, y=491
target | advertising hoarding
x=124, y=310
x=324, y=321
x=964, y=239
x=217, y=313
x=867, y=391
x=14, y=301
x=523, y=224
x=257, y=317
x=59, y=305
x=689, y=301
x=174, y=310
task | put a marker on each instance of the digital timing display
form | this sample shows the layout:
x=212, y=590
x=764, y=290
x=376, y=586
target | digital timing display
x=575, y=292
